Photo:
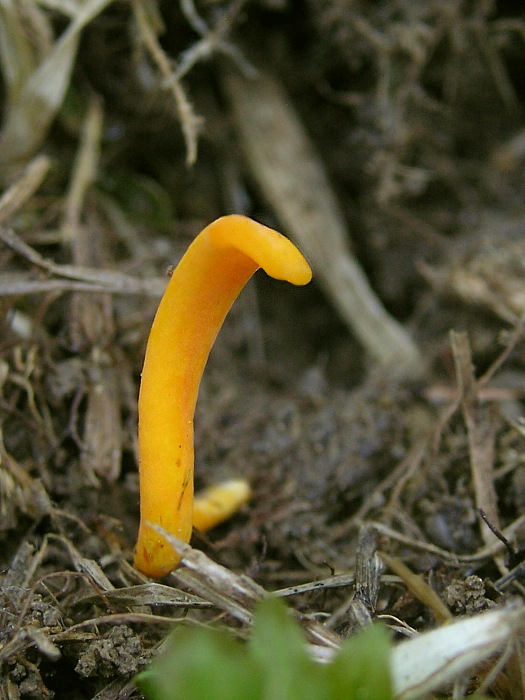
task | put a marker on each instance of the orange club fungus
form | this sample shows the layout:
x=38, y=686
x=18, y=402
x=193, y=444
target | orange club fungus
x=203, y=287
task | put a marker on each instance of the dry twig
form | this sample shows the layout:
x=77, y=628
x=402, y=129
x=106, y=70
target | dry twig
x=235, y=594
x=80, y=278
x=190, y=122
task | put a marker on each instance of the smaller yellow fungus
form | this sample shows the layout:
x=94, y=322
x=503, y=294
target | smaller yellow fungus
x=219, y=502
x=204, y=285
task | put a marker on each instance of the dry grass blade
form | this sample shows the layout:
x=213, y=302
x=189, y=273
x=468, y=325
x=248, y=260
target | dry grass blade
x=22, y=190
x=481, y=435
x=233, y=593
x=485, y=552
x=16, y=285
x=93, y=280
x=419, y=587
x=236, y=595
x=17, y=54
x=85, y=169
x=93, y=326
x=293, y=179
x=114, y=619
x=26, y=637
x=336, y=581
x=439, y=657
x=146, y=594
x=31, y=109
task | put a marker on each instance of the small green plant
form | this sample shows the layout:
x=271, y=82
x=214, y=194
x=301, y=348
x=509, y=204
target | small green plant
x=274, y=665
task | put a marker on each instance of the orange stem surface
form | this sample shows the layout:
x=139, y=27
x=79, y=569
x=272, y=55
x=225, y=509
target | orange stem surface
x=208, y=279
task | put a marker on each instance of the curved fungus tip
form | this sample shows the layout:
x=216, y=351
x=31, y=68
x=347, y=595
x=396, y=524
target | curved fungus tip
x=272, y=251
x=204, y=285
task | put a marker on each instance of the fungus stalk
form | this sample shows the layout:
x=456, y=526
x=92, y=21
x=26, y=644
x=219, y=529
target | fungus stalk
x=203, y=287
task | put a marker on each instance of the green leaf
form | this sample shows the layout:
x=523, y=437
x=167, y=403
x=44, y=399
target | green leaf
x=361, y=668
x=274, y=665
x=278, y=645
x=202, y=664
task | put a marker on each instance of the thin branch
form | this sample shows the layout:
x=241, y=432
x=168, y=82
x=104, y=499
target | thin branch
x=190, y=122
x=93, y=280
